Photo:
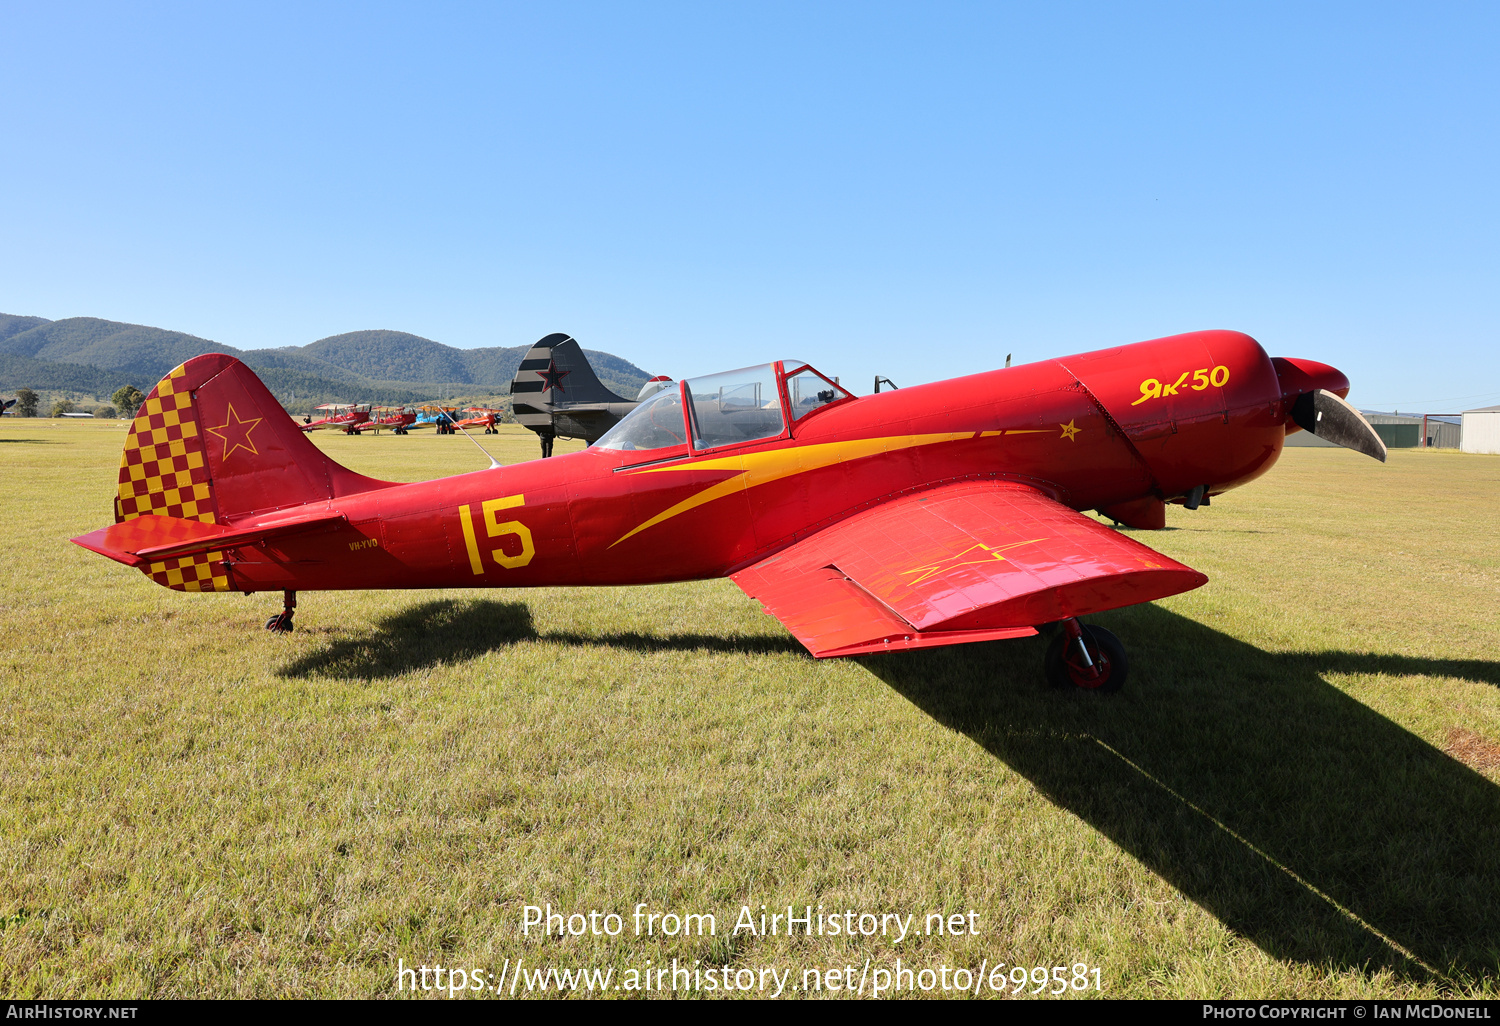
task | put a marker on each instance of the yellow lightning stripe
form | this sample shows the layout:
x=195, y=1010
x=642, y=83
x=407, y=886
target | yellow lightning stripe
x=758, y=468
x=950, y=562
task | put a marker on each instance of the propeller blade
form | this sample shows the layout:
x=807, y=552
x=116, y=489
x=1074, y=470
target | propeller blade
x=1328, y=416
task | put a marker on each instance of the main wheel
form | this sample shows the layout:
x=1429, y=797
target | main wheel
x=281, y=623
x=1065, y=667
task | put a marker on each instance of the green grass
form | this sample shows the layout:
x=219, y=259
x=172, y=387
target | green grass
x=193, y=807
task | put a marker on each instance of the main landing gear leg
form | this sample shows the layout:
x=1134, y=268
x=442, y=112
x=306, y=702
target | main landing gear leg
x=1086, y=657
x=281, y=623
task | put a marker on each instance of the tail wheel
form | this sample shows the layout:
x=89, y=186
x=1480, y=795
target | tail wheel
x=1103, y=671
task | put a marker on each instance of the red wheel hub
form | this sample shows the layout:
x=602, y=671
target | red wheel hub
x=1088, y=677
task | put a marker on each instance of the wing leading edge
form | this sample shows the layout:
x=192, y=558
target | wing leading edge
x=970, y=561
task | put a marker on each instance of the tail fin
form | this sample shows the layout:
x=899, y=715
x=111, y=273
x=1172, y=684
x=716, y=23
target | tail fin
x=211, y=444
x=554, y=372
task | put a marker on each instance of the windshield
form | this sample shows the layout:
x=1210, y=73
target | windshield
x=736, y=406
x=808, y=390
x=654, y=424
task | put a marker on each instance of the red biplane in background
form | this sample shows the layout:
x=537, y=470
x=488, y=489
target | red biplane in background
x=932, y=515
x=396, y=419
x=480, y=417
x=345, y=417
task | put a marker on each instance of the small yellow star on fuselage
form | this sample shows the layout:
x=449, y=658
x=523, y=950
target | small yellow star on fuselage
x=1070, y=430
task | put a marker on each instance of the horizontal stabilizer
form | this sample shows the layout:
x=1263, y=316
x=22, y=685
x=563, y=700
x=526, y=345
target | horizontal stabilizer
x=149, y=538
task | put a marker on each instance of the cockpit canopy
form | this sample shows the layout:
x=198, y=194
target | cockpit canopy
x=738, y=406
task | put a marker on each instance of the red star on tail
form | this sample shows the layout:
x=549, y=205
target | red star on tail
x=236, y=433
x=552, y=377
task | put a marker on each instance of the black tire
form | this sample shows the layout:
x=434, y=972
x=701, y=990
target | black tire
x=1103, y=645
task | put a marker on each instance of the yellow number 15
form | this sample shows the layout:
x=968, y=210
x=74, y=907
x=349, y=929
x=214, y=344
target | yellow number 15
x=496, y=528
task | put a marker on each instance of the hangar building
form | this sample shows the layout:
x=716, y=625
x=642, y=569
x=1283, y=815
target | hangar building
x=1400, y=431
x=1482, y=430
x=1395, y=430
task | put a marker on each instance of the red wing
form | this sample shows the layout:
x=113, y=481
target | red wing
x=969, y=561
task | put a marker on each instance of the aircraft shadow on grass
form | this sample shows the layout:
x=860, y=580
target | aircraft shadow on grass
x=448, y=631
x=1300, y=818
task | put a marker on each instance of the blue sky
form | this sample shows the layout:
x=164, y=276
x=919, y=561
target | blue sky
x=911, y=189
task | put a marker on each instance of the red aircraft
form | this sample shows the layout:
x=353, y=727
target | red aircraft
x=932, y=515
x=396, y=419
x=345, y=417
x=480, y=417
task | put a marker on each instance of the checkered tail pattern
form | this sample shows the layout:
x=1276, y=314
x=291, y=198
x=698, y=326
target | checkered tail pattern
x=164, y=471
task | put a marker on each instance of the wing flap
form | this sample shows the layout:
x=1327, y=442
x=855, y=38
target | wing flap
x=968, y=559
x=833, y=616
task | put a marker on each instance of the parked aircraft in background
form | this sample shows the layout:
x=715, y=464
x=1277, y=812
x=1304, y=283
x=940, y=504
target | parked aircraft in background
x=396, y=419
x=480, y=417
x=556, y=394
x=439, y=417
x=345, y=417
x=933, y=515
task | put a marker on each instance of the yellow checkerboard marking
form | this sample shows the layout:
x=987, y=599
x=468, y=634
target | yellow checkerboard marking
x=163, y=471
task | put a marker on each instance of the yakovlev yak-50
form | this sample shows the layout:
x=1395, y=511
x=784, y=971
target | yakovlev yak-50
x=933, y=515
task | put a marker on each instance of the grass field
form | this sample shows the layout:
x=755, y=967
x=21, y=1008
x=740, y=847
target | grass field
x=1296, y=795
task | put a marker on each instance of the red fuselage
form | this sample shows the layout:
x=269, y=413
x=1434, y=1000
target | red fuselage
x=1136, y=424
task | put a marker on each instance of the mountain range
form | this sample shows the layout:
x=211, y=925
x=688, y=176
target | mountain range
x=95, y=356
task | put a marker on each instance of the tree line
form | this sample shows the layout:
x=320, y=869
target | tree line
x=126, y=400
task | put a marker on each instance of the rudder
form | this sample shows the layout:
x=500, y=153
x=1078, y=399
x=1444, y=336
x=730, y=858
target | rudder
x=553, y=372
